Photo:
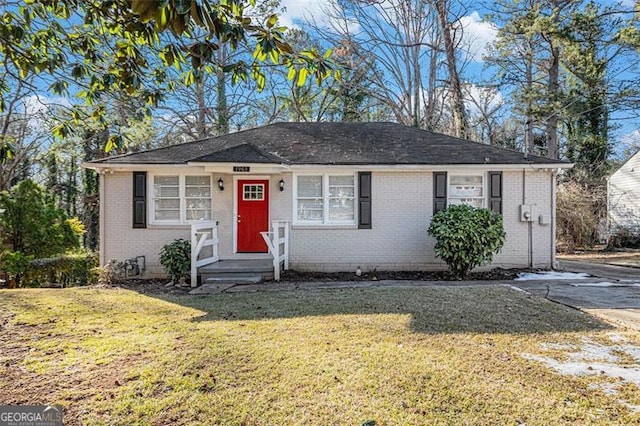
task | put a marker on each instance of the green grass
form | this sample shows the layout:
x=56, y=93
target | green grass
x=438, y=355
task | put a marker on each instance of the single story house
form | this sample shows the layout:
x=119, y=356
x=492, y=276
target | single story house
x=623, y=196
x=333, y=196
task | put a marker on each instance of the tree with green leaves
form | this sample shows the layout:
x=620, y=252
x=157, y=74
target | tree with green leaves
x=527, y=55
x=123, y=46
x=31, y=224
x=588, y=115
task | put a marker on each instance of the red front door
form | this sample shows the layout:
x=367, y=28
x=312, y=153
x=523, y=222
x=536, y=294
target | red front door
x=253, y=215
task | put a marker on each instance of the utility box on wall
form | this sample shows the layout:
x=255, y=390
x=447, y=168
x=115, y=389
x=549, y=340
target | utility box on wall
x=544, y=219
x=526, y=213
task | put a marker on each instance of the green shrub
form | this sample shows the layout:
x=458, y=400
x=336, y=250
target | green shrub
x=466, y=237
x=32, y=225
x=67, y=270
x=175, y=258
x=15, y=264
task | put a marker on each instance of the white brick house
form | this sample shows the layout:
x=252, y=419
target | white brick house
x=348, y=194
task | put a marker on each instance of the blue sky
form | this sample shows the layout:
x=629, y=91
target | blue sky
x=478, y=34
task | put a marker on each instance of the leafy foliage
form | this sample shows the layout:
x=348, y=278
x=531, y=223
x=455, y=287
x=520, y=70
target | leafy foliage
x=14, y=264
x=67, y=270
x=125, y=46
x=175, y=258
x=32, y=225
x=466, y=237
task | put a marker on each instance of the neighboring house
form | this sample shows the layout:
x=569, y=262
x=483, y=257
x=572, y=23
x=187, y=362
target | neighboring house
x=623, y=196
x=348, y=195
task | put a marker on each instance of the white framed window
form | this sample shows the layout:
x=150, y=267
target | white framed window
x=466, y=189
x=253, y=192
x=179, y=199
x=324, y=199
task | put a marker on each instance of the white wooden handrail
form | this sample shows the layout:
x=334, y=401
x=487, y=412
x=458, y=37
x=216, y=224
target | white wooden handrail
x=278, y=243
x=203, y=234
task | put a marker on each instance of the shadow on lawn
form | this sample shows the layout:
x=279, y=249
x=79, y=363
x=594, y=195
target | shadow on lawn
x=432, y=310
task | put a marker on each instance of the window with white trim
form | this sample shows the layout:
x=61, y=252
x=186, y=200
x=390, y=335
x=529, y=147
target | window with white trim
x=466, y=189
x=253, y=192
x=325, y=199
x=180, y=198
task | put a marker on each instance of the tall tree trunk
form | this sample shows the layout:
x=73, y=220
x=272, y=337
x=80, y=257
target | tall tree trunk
x=459, y=111
x=553, y=87
x=528, y=135
x=91, y=196
x=417, y=89
x=201, y=121
x=222, y=109
x=431, y=91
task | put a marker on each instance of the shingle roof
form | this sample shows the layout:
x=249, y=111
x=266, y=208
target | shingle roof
x=247, y=152
x=333, y=143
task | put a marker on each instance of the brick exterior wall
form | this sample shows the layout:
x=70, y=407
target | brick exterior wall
x=402, y=207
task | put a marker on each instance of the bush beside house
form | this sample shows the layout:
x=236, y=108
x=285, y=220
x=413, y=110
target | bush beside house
x=466, y=237
x=39, y=244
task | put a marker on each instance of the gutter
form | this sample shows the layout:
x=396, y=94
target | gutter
x=111, y=167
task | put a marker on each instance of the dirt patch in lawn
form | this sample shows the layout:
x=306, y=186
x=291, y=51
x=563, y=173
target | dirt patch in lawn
x=627, y=257
x=21, y=385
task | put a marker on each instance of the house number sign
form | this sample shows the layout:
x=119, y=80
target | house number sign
x=241, y=169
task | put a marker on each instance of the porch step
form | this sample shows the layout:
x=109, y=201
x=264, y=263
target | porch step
x=237, y=270
x=237, y=280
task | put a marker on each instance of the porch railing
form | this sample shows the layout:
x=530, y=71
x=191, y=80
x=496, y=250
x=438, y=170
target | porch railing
x=203, y=234
x=278, y=242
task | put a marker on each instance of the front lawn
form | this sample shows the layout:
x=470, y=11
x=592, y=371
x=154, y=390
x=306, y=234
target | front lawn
x=432, y=355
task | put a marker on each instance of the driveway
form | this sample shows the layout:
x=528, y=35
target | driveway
x=613, y=292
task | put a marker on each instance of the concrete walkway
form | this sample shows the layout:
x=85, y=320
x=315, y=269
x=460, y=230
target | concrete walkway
x=602, y=270
x=613, y=292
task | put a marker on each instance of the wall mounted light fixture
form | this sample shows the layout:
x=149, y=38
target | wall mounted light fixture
x=221, y=184
x=281, y=185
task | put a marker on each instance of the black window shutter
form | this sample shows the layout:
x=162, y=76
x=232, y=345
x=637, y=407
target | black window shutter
x=139, y=199
x=439, y=191
x=495, y=192
x=364, y=200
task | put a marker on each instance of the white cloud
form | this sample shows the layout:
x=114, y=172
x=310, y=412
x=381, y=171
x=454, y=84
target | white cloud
x=321, y=12
x=477, y=35
x=37, y=104
x=297, y=11
x=37, y=108
x=479, y=98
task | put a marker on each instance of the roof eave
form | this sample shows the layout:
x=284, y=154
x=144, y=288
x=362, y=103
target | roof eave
x=227, y=167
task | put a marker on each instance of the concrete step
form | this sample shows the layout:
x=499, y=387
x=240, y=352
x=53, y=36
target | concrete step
x=237, y=271
x=237, y=280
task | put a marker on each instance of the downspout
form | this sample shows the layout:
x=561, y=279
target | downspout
x=608, y=220
x=101, y=221
x=529, y=223
x=554, y=182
